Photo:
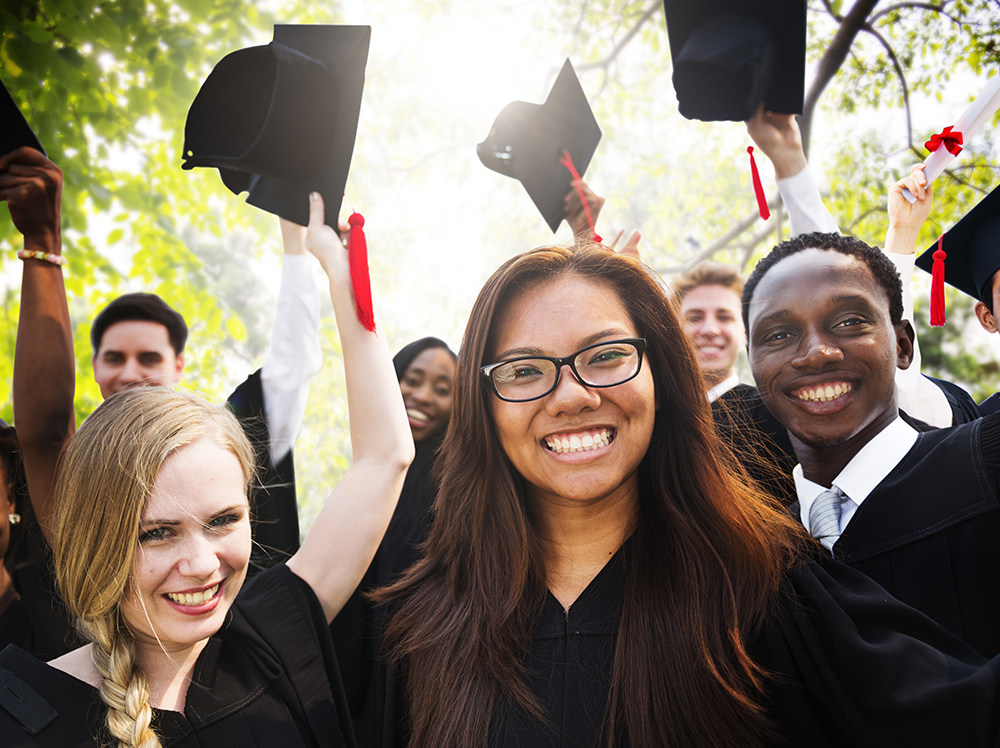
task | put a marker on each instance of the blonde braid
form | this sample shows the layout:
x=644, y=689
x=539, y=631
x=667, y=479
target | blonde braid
x=124, y=687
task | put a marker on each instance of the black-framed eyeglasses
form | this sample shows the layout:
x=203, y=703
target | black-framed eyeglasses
x=606, y=364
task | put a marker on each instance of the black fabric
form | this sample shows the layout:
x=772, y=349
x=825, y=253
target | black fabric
x=37, y=622
x=929, y=532
x=963, y=407
x=268, y=678
x=272, y=498
x=990, y=405
x=757, y=439
x=851, y=666
x=356, y=629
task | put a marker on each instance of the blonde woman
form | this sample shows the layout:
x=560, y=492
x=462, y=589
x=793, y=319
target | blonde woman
x=152, y=547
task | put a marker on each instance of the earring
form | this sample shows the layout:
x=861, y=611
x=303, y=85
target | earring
x=14, y=518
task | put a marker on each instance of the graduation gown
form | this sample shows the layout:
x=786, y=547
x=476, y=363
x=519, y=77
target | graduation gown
x=357, y=628
x=851, y=667
x=267, y=678
x=272, y=496
x=930, y=532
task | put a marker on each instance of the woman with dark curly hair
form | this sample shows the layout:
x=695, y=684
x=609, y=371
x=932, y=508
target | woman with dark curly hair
x=601, y=572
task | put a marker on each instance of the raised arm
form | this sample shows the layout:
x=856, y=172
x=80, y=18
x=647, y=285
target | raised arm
x=918, y=396
x=44, y=367
x=778, y=136
x=348, y=530
x=293, y=355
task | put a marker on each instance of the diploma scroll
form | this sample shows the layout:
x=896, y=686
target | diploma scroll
x=968, y=125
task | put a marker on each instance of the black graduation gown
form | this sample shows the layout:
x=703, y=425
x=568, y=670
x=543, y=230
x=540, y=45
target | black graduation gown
x=37, y=622
x=357, y=628
x=267, y=679
x=963, y=407
x=852, y=667
x=930, y=532
x=272, y=496
x=757, y=439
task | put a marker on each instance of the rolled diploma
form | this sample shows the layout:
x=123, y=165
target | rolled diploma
x=968, y=124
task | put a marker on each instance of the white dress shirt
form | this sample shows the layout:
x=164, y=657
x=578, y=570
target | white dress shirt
x=862, y=474
x=723, y=387
x=293, y=355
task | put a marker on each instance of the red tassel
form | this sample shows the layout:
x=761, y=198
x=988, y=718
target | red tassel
x=567, y=161
x=937, y=285
x=758, y=188
x=357, y=252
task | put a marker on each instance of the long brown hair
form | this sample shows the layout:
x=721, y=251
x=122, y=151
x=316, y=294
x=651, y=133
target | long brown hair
x=710, y=551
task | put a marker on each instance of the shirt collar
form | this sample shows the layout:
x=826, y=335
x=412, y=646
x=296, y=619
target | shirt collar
x=865, y=471
x=723, y=387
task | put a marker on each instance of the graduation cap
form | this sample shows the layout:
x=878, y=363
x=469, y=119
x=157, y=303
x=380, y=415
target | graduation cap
x=972, y=250
x=528, y=142
x=279, y=121
x=15, y=132
x=728, y=55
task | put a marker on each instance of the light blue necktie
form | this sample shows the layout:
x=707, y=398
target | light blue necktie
x=824, y=516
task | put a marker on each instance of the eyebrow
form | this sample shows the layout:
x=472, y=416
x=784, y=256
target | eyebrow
x=176, y=522
x=595, y=338
x=839, y=299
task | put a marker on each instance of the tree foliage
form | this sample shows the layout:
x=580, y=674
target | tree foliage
x=106, y=85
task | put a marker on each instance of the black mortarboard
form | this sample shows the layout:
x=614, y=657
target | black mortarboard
x=527, y=142
x=279, y=121
x=728, y=55
x=972, y=247
x=15, y=131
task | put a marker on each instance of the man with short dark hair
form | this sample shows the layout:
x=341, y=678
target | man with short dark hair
x=916, y=511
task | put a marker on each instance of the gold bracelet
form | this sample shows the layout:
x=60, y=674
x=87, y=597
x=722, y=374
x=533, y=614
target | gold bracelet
x=37, y=254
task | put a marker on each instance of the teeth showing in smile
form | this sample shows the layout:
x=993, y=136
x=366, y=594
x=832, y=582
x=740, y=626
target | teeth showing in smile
x=196, y=598
x=824, y=393
x=580, y=443
x=416, y=415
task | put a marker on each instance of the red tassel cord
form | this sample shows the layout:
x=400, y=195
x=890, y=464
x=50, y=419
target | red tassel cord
x=937, y=285
x=758, y=188
x=568, y=163
x=357, y=252
x=951, y=140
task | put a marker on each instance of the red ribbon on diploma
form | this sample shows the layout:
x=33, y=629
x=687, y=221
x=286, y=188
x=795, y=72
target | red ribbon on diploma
x=952, y=141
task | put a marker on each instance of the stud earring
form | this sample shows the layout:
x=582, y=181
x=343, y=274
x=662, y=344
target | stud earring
x=14, y=518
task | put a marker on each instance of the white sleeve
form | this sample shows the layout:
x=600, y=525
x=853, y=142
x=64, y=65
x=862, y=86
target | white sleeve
x=915, y=393
x=806, y=211
x=293, y=355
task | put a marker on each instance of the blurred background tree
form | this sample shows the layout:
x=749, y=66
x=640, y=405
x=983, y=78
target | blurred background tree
x=106, y=86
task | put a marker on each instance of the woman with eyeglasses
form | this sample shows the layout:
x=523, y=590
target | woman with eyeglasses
x=601, y=573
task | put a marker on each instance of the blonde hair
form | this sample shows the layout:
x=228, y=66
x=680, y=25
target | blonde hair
x=101, y=491
x=708, y=273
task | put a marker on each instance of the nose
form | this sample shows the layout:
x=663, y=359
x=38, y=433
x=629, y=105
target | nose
x=816, y=352
x=200, y=559
x=571, y=395
x=709, y=326
x=421, y=394
x=132, y=372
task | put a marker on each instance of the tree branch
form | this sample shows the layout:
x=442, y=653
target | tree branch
x=831, y=61
x=908, y=6
x=605, y=62
x=902, y=80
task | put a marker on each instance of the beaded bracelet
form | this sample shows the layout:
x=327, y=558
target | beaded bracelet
x=37, y=254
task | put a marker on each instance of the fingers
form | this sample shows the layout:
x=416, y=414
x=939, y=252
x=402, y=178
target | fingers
x=317, y=211
x=23, y=155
